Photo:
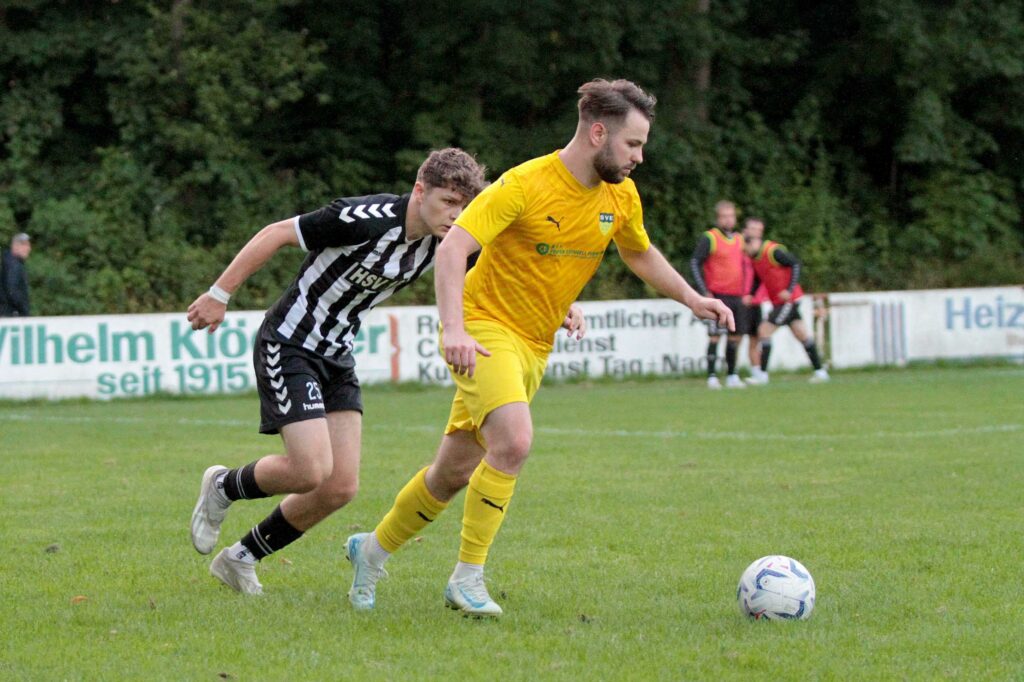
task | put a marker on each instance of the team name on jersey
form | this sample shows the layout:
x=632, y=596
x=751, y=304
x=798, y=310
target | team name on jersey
x=368, y=280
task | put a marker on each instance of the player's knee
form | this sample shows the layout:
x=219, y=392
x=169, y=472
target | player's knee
x=338, y=495
x=311, y=476
x=515, y=449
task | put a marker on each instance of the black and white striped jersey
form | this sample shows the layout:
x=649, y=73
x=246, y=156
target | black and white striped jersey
x=358, y=257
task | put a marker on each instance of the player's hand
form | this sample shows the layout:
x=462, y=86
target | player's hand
x=460, y=351
x=206, y=311
x=785, y=295
x=747, y=299
x=575, y=322
x=713, y=309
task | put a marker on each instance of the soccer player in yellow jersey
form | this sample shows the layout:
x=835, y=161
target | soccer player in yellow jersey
x=543, y=228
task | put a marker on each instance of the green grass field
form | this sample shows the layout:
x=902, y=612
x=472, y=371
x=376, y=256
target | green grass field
x=640, y=506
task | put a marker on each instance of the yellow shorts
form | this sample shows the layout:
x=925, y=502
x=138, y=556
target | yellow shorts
x=512, y=374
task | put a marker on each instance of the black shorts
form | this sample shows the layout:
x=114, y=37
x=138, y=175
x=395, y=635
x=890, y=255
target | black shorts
x=753, y=321
x=781, y=315
x=740, y=314
x=296, y=384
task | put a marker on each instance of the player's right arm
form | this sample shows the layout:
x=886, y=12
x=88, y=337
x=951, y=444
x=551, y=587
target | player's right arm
x=330, y=226
x=487, y=216
x=207, y=311
x=460, y=348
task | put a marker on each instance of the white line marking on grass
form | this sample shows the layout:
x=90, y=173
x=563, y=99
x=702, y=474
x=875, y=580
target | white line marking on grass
x=559, y=431
x=741, y=435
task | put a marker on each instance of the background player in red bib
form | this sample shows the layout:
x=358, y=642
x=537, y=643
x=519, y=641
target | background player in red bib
x=779, y=271
x=717, y=266
x=753, y=228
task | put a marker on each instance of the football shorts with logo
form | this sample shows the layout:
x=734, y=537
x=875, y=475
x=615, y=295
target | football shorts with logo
x=296, y=384
x=781, y=315
x=512, y=374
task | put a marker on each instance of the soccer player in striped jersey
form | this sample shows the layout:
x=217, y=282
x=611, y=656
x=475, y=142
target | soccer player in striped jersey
x=541, y=229
x=717, y=269
x=361, y=250
x=779, y=271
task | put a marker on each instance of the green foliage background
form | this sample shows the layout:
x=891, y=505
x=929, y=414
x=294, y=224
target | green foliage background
x=142, y=143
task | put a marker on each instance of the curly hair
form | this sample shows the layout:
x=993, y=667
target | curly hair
x=454, y=169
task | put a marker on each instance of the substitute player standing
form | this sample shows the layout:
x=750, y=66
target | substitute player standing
x=717, y=268
x=543, y=228
x=361, y=251
x=779, y=271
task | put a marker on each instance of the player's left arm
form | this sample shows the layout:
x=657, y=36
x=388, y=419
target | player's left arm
x=785, y=258
x=652, y=267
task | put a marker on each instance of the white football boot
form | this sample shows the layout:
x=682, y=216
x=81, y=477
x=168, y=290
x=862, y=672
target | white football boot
x=363, y=593
x=209, y=511
x=237, y=574
x=734, y=381
x=713, y=383
x=469, y=595
x=758, y=377
x=820, y=376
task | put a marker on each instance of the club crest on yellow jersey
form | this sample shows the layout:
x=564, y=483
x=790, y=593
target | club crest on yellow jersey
x=605, y=222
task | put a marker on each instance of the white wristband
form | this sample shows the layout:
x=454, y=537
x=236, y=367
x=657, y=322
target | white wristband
x=218, y=294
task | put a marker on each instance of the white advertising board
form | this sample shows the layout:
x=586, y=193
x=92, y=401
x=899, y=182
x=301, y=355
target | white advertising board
x=894, y=327
x=624, y=338
x=113, y=356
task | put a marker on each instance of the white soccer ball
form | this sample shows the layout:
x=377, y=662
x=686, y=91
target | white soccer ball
x=776, y=588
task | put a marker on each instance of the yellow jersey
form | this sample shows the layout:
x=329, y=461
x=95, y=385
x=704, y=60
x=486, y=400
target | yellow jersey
x=543, y=235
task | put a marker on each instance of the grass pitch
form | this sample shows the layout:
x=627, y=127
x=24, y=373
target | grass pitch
x=639, y=508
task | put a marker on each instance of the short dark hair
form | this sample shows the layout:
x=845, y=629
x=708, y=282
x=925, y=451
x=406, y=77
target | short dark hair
x=753, y=219
x=454, y=169
x=612, y=100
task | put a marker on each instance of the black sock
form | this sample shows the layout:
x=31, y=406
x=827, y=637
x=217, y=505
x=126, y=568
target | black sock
x=730, y=356
x=712, y=356
x=812, y=353
x=240, y=484
x=271, y=534
x=766, y=350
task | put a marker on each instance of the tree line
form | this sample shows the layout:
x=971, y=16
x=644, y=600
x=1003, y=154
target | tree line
x=142, y=143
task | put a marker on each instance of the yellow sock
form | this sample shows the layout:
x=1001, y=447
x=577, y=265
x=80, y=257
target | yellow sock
x=414, y=508
x=487, y=499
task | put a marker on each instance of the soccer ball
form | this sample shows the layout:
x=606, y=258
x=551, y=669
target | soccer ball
x=776, y=588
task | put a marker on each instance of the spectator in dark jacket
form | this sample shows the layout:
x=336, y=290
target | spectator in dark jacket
x=14, y=278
